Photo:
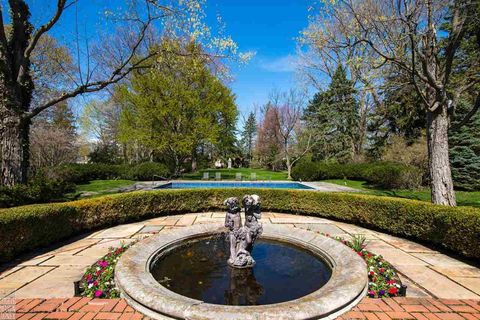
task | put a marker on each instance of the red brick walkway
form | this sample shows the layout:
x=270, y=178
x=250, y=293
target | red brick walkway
x=117, y=309
x=414, y=308
x=72, y=309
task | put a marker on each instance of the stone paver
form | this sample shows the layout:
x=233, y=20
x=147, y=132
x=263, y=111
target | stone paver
x=51, y=273
x=435, y=283
x=113, y=309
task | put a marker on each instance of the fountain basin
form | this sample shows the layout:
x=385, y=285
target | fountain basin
x=345, y=287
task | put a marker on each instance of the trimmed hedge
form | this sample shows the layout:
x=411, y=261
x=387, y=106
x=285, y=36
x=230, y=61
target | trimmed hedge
x=28, y=227
x=83, y=173
x=383, y=174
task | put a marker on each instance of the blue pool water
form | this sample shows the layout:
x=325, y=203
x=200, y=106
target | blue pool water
x=233, y=184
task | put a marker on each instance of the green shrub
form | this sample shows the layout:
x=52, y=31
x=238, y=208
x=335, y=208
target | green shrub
x=382, y=174
x=38, y=190
x=28, y=227
x=148, y=171
x=82, y=173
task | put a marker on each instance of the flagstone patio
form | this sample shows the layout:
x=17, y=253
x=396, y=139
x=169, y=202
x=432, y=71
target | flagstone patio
x=51, y=272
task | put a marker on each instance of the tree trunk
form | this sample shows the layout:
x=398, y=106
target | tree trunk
x=289, y=167
x=438, y=157
x=194, y=161
x=14, y=137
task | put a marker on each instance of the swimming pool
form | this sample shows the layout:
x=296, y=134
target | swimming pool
x=233, y=184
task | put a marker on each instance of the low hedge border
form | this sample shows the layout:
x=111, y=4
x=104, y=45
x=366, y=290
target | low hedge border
x=28, y=227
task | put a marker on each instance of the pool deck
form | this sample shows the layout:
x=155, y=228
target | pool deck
x=429, y=274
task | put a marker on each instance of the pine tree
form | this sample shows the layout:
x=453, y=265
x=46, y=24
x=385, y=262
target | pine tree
x=334, y=115
x=248, y=136
x=465, y=151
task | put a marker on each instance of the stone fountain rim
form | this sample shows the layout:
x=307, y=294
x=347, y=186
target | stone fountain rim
x=347, y=285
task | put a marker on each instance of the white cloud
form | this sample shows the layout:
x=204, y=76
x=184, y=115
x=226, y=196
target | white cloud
x=286, y=63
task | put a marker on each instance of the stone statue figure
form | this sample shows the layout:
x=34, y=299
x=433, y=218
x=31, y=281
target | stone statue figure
x=242, y=237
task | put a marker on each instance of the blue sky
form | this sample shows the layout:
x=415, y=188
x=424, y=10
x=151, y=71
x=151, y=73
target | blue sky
x=267, y=27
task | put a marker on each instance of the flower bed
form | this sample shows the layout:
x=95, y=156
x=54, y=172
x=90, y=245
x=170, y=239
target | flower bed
x=98, y=280
x=383, y=279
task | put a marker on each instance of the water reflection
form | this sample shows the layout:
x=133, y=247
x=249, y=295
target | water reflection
x=199, y=270
x=244, y=288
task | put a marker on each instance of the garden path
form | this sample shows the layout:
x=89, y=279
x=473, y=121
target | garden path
x=51, y=273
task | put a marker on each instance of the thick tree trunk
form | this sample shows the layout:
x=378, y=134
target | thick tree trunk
x=438, y=157
x=14, y=137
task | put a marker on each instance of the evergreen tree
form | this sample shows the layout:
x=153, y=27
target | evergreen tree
x=465, y=150
x=333, y=114
x=248, y=136
x=401, y=113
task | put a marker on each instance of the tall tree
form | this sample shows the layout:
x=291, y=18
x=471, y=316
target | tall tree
x=175, y=107
x=287, y=110
x=334, y=115
x=269, y=145
x=248, y=135
x=111, y=60
x=408, y=35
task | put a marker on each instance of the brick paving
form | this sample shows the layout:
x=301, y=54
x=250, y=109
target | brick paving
x=371, y=309
x=72, y=309
x=415, y=308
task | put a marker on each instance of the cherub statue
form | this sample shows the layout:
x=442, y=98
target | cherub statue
x=233, y=221
x=242, y=237
x=251, y=204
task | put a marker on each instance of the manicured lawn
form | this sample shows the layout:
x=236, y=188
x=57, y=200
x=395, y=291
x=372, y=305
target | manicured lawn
x=464, y=198
x=229, y=174
x=102, y=187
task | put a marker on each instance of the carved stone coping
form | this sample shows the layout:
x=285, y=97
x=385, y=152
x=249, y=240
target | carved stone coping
x=347, y=285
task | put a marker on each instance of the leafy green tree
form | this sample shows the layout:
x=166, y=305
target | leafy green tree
x=248, y=136
x=333, y=114
x=177, y=106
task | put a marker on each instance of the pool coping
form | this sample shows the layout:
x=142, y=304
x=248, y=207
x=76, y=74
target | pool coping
x=156, y=185
x=338, y=295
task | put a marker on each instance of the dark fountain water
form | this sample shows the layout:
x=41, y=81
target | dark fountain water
x=282, y=272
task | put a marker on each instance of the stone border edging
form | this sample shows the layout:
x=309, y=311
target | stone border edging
x=345, y=288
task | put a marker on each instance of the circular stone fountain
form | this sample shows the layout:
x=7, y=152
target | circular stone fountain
x=187, y=273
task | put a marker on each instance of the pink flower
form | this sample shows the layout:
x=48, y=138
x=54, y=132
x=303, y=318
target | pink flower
x=98, y=293
x=103, y=264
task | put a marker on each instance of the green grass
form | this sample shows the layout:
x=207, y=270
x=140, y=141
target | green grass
x=464, y=198
x=102, y=187
x=229, y=174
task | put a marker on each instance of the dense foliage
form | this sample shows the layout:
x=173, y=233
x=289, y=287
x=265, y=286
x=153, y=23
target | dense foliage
x=54, y=184
x=381, y=174
x=465, y=153
x=453, y=228
x=177, y=107
x=38, y=190
x=334, y=114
